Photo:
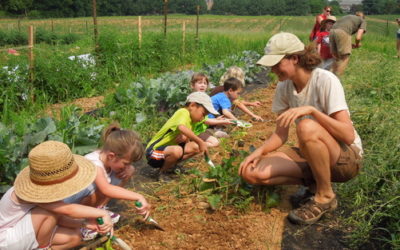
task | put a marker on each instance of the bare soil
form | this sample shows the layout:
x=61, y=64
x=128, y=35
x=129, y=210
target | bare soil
x=189, y=223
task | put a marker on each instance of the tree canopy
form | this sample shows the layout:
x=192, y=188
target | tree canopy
x=77, y=8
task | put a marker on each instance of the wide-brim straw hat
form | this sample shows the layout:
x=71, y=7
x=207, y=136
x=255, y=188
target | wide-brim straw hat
x=53, y=174
x=329, y=19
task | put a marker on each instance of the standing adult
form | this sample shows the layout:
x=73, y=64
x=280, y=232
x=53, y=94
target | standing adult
x=327, y=11
x=329, y=147
x=340, y=39
x=398, y=38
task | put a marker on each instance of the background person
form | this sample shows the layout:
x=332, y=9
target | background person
x=340, y=39
x=329, y=147
x=322, y=41
x=327, y=11
x=398, y=38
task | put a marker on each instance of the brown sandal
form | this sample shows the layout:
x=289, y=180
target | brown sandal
x=312, y=211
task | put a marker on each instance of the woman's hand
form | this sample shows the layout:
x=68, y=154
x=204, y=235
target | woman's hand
x=289, y=116
x=145, y=208
x=250, y=161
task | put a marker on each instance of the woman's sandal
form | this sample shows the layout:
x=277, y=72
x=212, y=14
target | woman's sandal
x=301, y=197
x=312, y=211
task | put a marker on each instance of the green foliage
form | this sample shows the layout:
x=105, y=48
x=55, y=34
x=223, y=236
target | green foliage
x=81, y=133
x=374, y=100
x=42, y=35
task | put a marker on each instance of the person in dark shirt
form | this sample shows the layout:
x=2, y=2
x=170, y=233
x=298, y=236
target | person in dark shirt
x=340, y=39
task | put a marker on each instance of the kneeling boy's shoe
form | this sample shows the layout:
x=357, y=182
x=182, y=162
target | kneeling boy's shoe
x=312, y=211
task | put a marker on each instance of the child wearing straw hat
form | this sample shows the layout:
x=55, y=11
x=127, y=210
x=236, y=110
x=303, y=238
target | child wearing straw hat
x=238, y=73
x=120, y=148
x=32, y=214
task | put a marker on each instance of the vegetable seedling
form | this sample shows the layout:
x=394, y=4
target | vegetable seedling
x=114, y=238
x=149, y=219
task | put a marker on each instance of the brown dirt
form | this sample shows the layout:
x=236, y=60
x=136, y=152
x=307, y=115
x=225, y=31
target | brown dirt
x=189, y=223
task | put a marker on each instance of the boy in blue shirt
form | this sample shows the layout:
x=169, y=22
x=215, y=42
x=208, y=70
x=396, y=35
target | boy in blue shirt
x=222, y=101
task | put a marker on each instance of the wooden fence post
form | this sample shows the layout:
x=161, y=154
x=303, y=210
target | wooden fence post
x=87, y=28
x=52, y=25
x=30, y=53
x=183, y=36
x=140, y=31
x=197, y=23
x=165, y=17
x=95, y=26
x=19, y=24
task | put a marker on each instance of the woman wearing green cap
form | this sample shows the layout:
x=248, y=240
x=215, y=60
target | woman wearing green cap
x=329, y=148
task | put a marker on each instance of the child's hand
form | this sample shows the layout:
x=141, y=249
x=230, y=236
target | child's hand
x=203, y=147
x=145, y=208
x=107, y=226
x=127, y=173
x=258, y=118
x=255, y=104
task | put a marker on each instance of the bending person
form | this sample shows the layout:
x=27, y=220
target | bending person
x=329, y=147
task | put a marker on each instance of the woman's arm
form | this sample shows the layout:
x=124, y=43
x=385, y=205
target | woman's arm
x=275, y=141
x=337, y=124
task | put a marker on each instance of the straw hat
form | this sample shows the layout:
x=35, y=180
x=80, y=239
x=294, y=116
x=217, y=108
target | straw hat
x=329, y=19
x=235, y=72
x=54, y=173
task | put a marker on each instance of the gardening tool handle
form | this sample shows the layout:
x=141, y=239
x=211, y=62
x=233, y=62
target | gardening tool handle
x=100, y=221
x=138, y=204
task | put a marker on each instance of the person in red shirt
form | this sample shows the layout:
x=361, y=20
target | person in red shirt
x=322, y=40
x=318, y=19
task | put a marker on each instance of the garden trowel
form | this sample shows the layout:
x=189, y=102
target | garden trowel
x=149, y=219
x=209, y=161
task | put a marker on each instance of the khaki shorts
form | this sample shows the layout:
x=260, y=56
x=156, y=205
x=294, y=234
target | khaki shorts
x=340, y=42
x=346, y=168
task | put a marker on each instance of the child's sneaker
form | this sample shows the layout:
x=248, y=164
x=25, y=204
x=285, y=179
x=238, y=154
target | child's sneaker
x=88, y=234
x=221, y=134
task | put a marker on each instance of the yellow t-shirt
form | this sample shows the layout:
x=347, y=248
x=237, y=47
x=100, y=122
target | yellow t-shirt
x=168, y=133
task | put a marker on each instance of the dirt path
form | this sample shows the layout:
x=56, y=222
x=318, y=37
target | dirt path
x=191, y=224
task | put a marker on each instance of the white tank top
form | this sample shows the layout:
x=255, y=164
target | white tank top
x=11, y=212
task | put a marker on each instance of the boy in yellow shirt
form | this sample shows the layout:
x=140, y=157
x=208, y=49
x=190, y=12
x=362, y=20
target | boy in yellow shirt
x=176, y=141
